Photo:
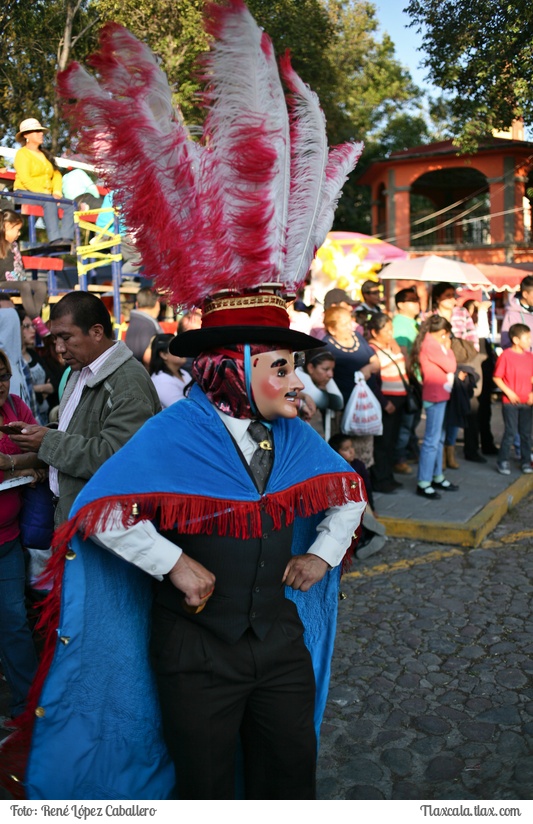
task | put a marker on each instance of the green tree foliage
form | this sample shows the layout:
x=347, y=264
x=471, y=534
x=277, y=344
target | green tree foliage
x=37, y=37
x=401, y=131
x=302, y=27
x=371, y=83
x=174, y=31
x=375, y=100
x=480, y=52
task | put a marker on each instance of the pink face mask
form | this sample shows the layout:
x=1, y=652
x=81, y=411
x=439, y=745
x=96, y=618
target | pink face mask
x=275, y=384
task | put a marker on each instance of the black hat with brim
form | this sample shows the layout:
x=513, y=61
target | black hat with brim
x=192, y=343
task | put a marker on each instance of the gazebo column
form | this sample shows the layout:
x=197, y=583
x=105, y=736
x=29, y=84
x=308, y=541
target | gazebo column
x=506, y=223
x=519, y=194
x=497, y=208
x=374, y=211
x=398, y=222
x=403, y=218
x=509, y=200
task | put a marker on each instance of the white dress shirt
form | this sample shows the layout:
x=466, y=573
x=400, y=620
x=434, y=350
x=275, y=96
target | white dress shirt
x=142, y=545
x=71, y=405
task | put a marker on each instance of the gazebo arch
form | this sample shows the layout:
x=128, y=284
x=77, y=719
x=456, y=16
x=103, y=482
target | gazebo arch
x=449, y=206
x=497, y=175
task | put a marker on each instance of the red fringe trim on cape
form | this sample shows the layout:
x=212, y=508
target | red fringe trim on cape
x=189, y=514
x=193, y=514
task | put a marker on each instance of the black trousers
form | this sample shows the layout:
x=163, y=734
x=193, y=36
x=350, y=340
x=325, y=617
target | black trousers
x=385, y=444
x=212, y=693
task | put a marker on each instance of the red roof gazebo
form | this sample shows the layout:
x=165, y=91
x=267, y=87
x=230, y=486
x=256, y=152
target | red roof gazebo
x=432, y=200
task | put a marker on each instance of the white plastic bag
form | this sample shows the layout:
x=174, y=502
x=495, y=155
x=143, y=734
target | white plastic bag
x=362, y=415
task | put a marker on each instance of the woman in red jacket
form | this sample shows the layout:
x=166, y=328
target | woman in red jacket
x=432, y=356
x=17, y=651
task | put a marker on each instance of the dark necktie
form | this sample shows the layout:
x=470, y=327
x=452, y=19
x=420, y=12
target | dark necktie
x=263, y=457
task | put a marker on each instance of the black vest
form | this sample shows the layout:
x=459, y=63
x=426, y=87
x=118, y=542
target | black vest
x=248, y=589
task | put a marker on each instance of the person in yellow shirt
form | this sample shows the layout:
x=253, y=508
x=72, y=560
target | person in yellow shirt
x=36, y=172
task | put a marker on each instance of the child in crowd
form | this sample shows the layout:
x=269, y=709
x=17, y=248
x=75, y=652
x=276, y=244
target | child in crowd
x=513, y=374
x=168, y=376
x=13, y=277
x=432, y=357
x=372, y=532
x=317, y=378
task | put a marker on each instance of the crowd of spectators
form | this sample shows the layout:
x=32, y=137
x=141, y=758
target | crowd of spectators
x=432, y=374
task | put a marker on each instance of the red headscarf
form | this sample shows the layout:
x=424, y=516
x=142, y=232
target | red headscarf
x=220, y=374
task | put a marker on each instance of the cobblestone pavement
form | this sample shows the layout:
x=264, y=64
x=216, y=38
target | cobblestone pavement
x=432, y=692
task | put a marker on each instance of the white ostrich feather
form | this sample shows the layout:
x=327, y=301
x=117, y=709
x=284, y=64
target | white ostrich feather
x=342, y=160
x=309, y=155
x=247, y=204
x=140, y=145
x=282, y=140
x=247, y=133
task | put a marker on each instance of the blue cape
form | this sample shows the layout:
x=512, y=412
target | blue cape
x=99, y=735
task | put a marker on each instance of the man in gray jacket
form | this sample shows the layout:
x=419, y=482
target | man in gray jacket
x=143, y=324
x=107, y=399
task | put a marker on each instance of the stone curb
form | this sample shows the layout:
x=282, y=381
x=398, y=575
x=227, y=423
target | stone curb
x=468, y=534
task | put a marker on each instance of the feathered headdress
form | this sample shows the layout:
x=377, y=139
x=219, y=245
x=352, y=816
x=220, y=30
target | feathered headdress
x=247, y=205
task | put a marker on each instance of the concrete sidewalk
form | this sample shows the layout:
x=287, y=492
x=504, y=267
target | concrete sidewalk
x=464, y=517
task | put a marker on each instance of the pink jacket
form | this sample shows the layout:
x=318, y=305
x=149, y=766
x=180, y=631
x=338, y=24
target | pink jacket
x=438, y=366
x=11, y=499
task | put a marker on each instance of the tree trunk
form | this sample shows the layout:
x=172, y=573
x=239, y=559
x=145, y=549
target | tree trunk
x=63, y=54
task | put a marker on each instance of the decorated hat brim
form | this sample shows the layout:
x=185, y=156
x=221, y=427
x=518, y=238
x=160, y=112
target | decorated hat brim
x=195, y=341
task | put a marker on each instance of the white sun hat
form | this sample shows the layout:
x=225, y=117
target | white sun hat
x=31, y=124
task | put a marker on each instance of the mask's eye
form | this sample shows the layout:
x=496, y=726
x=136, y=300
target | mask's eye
x=299, y=359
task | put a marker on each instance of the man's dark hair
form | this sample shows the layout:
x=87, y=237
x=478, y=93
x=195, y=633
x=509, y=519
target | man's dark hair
x=526, y=284
x=517, y=330
x=337, y=440
x=146, y=298
x=369, y=286
x=85, y=309
x=404, y=294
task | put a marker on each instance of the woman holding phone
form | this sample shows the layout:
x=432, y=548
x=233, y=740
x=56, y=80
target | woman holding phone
x=17, y=650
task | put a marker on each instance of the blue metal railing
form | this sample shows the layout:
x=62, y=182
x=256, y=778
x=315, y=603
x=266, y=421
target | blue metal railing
x=116, y=267
x=23, y=197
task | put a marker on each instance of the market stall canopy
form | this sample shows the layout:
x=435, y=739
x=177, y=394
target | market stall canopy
x=506, y=277
x=435, y=269
x=365, y=247
x=346, y=259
